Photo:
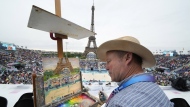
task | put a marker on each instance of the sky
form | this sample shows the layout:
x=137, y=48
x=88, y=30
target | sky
x=157, y=24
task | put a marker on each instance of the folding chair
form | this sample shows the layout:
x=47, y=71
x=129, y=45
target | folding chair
x=25, y=102
x=3, y=102
x=179, y=102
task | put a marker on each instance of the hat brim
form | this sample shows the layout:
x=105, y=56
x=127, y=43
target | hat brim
x=123, y=45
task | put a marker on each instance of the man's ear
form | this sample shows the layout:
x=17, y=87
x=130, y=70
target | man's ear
x=128, y=57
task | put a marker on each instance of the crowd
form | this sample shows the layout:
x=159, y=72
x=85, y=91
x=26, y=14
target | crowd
x=163, y=79
x=161, y=59
x=17, y=66
x=89, y=64
x=19, y=77
x=184, y=69
x=177, y=62
x=103, y=65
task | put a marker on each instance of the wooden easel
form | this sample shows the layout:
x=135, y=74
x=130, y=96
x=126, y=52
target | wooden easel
x=34, y=89
x=43, y=20
x=60, y=64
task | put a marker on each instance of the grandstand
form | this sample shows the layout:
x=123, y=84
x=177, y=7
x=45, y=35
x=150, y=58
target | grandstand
x=16, y=66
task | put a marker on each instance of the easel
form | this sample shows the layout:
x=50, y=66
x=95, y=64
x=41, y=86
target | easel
x=61, y=28
x=58, y=37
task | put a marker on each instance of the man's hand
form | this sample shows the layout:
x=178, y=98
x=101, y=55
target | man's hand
x=103, y=96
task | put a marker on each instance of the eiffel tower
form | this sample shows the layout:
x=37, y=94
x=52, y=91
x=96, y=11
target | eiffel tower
x=91, y=39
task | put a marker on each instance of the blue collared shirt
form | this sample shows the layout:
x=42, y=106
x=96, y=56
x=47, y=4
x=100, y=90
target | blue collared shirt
x=141, y=94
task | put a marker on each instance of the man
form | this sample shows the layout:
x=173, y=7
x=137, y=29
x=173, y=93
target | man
x=126, y=58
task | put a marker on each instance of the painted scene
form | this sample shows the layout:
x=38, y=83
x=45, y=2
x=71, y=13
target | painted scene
x=58, y=86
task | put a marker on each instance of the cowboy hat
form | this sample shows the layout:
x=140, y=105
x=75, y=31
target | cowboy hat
x=129, y=44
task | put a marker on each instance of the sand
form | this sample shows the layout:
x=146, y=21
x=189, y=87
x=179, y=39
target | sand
x=90, y=76
x=62, y=92
x=96, y=76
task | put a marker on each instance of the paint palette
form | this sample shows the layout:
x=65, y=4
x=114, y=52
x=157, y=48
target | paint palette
x=82, y=100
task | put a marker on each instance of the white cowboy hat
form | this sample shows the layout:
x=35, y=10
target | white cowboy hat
x=129, y=44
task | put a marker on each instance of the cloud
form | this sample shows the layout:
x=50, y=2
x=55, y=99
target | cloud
x=157, y=24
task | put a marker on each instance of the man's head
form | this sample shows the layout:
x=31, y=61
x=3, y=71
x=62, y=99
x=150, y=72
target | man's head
x=125, y=56
x=122, y=64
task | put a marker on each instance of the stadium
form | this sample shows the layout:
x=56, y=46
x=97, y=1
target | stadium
x=34, y=74
x=18, y=65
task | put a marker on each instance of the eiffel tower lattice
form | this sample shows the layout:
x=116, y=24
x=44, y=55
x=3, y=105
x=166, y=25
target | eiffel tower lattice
x=91, y=39
x=88, y=49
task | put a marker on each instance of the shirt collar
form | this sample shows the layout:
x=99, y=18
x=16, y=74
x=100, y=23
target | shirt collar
x=126, y=79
